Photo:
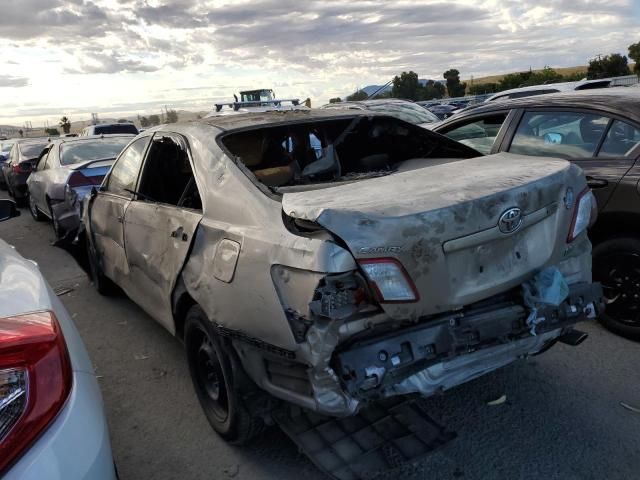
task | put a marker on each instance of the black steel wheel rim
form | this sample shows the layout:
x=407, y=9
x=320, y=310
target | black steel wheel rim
x=210, y=377
x=619, y=274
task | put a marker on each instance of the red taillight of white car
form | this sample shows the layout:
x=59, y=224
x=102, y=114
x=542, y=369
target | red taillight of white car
x=389, y=280
x=35, y=380
x=584, y=214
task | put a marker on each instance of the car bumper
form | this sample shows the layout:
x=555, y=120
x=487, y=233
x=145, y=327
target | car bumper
x=76, y=445
x=435, y=355
x=69, y=211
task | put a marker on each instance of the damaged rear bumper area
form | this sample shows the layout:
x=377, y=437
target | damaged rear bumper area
x=433, y=355
x=456, y=348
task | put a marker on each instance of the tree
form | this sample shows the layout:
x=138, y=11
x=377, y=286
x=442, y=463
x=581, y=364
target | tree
x=335, y=100
x=482, y=88
x=144, y=122
x=65, y=123
x=359, y=95
x=154, y=119
x=21, y=132
x=432, y=90
x=634, y=54
x=455, y=88
x=614, y=65
x=406, y=86
x=172, y=116
x=52, y=132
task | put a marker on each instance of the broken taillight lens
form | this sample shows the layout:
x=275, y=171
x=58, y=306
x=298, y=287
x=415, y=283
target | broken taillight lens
x=585, y=211
x=390, y=280
x=35, y=380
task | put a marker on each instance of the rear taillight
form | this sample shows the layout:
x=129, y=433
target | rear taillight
x=78, y=179
x=22, y=167
x=389, y=280
x=583, y=215
x=35, y=380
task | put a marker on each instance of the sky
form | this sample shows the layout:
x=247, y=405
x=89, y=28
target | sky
x=119, y=57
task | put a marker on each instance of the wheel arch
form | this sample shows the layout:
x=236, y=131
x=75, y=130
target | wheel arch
x=615, y=224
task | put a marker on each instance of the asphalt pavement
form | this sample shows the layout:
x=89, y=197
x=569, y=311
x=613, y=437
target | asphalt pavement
x=562, y=417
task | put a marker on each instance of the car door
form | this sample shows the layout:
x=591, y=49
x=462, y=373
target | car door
x=107, y=210
x=585, y=137
x=159, y=225
x=36, y=180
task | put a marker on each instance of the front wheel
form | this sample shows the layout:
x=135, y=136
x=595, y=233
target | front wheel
x=33, y=209
x=616, y=265
x=212, y=374
x=102, y=284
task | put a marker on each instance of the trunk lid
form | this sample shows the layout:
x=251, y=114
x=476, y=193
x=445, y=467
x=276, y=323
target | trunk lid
x=442, y=224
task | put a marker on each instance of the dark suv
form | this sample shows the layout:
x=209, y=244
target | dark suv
x=600, y=131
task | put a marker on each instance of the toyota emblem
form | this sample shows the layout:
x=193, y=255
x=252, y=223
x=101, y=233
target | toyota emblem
x=510, y=221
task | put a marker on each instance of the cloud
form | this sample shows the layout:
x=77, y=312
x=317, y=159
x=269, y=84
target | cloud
x=13, y=81
x=111, y=63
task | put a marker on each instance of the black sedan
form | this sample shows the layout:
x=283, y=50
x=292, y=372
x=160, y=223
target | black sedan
x=600, y=131
x=22, y=160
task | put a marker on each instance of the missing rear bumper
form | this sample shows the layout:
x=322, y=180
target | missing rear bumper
x=451, y=350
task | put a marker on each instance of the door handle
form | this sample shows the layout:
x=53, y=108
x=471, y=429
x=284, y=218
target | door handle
x=597, y=182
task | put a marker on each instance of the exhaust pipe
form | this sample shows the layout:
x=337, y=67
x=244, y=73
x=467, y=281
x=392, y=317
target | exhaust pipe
x=573, y=337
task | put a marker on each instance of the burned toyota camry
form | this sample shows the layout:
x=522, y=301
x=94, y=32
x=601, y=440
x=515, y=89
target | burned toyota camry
x=330, y=259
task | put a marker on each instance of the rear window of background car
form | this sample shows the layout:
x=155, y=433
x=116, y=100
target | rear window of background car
x=31, y=150
x=82, y=151
x=121, y=128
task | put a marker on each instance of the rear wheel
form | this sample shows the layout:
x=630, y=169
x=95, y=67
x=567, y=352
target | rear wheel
x=212, y=373
x=103, y=285
x=35, y=213
x=616, y=265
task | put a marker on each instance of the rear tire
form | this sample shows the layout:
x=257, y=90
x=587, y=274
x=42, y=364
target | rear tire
x=213, y=373
x=102, y=284
x=35, y=212
x=616, y=264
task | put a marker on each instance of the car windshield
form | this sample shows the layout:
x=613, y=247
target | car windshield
x=405, y=111
x=31, y=150
x=83, y=151
x=6, y=147
x=117, y=128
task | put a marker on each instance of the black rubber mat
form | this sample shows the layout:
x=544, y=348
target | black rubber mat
x=382, y=437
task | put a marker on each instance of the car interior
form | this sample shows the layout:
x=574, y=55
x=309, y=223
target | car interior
x=336, y=150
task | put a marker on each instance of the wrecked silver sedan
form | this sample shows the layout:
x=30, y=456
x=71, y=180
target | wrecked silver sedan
x=390, y=261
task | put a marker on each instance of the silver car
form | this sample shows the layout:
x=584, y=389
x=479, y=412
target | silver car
x=66, y=171
x=52, y=422
x=395, y=262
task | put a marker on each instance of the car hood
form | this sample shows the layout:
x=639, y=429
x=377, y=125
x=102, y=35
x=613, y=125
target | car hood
x=441, y=223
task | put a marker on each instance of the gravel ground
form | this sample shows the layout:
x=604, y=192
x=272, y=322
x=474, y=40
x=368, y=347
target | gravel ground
x=562, y=418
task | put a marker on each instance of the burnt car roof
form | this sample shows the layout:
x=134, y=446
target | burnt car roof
x=621, y=100
x=233, y=122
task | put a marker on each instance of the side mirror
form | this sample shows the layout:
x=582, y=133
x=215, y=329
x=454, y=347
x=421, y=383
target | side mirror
x=553, y=138
x=8, y=209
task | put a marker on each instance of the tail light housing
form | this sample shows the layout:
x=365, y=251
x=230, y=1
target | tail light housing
x=35, y=380
x=389, y=280
x=78, y=179
x=584, y=214
x=24, y=167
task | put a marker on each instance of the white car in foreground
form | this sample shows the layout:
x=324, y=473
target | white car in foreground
x=52, y=423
